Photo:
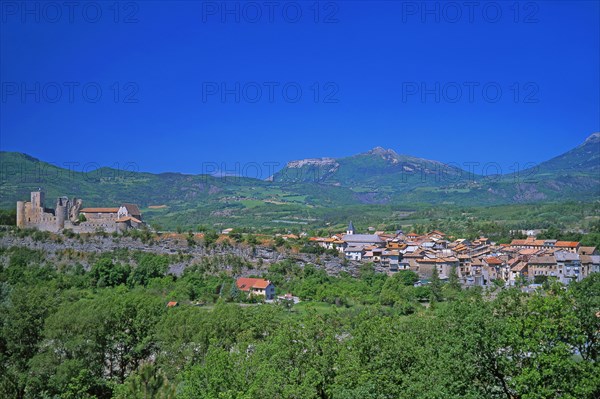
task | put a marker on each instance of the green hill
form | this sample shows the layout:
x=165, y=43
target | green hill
x=311, y=191
x=572, y=175
x=583, y=159
x=170, y=199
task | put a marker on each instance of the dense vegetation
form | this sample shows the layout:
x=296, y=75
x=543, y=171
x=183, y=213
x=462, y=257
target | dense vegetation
x=107, y=333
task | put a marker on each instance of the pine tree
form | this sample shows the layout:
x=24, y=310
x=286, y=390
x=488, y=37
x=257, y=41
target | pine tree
x=453, y=281
x=436, y=286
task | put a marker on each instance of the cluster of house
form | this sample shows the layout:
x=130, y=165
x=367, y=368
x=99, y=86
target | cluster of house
x=477, y=262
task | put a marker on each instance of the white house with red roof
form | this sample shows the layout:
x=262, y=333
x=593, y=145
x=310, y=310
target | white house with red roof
x=256, y=286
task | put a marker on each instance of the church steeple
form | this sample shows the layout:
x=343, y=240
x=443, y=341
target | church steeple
x=350, y=230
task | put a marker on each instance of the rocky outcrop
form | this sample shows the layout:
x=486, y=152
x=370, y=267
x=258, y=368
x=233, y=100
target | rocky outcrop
x=256, y=259
x=313, y=162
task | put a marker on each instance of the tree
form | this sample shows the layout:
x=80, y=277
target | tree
x=287, y=303
x=149, y=266
x=398, y=290
x=190, y=239
x=108, y=335
x=210, y=237
x=146, y=383
x=435, y=285
x=544, y=334
x=453, y=281
x=540, y=279
x=407, y=277
x=452, y=289
x=234, y=292
x=105, y=273
x=21, y=335
x=8, y=217
x=235, y=236
x=81, y=386
x=586, y=305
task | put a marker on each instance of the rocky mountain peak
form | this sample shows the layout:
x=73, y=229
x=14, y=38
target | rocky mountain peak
x=387, y=154
x=593, y=138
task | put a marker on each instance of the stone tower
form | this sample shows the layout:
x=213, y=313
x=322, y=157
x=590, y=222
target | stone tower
x=61, y=212
x=21, y=214
x=37, y=199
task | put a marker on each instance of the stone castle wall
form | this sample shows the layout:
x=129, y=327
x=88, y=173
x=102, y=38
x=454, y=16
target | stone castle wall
x=33, y=214
x=92, y=227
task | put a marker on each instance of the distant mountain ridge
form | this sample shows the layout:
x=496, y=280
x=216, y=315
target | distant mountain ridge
x=303, y=187
x=583, y=158
x=574, y=174
x=375, y=168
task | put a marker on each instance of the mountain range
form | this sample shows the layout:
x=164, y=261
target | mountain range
x=385, y=176
x=307, y=190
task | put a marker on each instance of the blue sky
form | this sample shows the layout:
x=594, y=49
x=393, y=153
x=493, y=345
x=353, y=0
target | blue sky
x=182, y=86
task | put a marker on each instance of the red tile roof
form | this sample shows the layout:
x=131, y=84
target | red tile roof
x=492, y=260
x=436, y=232
x=529, y=242
x=246, y=283
x=567, y=244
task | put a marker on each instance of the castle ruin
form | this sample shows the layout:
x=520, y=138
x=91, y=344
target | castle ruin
x=69, y=214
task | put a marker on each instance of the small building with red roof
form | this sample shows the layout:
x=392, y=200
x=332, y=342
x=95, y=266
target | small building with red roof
x=256, y=286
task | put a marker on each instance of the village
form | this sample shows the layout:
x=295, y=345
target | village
x=479, y=262
x=526, y=263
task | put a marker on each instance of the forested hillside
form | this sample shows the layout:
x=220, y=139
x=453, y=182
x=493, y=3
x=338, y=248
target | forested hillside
x=107, y=333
